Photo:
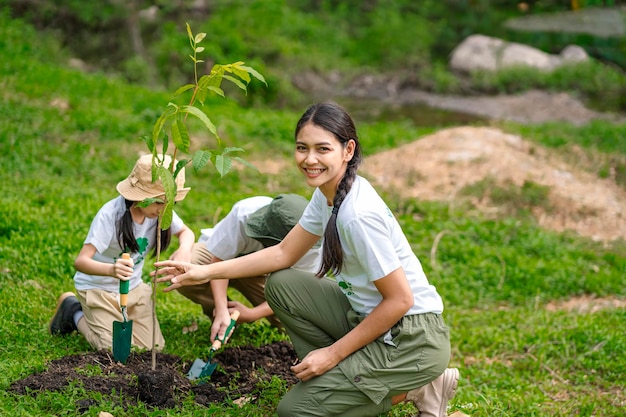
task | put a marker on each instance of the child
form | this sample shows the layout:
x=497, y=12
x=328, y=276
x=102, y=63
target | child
x=120, y=226
x=252, y=224
x=373, y=335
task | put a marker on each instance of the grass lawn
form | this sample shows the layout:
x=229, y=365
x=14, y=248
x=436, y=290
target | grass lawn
x=67, y=138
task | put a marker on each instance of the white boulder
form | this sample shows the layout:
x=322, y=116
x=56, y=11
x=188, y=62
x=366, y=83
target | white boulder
x=480, y=52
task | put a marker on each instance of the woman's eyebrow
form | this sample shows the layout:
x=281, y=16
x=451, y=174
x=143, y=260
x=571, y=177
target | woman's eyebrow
x=314, y=144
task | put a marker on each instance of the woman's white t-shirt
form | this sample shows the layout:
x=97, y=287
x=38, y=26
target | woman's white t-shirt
x=103, y=236
x=373, y=245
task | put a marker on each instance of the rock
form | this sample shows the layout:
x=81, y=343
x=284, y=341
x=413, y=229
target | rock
x=480, y=52
x=574, y=53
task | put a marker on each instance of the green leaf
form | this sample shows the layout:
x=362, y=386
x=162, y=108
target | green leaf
x=199, y=49
x=180, y=136
x=169, y=111
x=153, y=170
x=166, y=216
x=145, y=203
x=200, y=36
x=217, y=70
x=204, y=82
x=236, y=82
x=216, y=90
x=223, y=164
x=254, y=73
x=189, y=31
x=183, y=89
x=200, y=159
x=241, y=73
x=246, y=163
x=169, y=185
x=202, y=116
x=166, y=145
x=180, y=165
x=149, y=143
x=231, y=149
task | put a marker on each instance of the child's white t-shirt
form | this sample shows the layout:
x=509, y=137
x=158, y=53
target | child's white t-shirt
x=103, y=236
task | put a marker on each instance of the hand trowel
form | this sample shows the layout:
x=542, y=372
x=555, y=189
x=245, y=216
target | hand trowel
x=202, y=370
x=122, y=330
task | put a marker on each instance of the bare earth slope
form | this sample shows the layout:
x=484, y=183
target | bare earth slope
x=437, y=166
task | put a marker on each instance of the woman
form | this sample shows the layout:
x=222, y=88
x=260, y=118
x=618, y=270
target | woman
x=372, y=335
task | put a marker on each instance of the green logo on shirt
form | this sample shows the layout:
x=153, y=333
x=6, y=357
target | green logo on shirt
x=142, y=242
x=346, y=287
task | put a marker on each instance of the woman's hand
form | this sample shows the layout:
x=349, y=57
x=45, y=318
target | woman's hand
x=179, y=274
x=316, y=363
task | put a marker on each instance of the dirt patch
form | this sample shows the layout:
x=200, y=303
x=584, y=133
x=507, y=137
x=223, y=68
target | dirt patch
x=440, y=166
x=167, y=386
x=586, y=304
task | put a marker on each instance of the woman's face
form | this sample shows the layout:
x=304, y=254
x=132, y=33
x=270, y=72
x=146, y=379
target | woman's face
x=322, y=158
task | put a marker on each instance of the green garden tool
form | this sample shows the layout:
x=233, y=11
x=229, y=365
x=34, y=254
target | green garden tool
x=122, y=331
x=203, y=370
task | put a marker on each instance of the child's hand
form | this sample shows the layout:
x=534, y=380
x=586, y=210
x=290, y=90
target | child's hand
x=123, y=269
x=246, y=314
x=181, y=255
x=221, y=321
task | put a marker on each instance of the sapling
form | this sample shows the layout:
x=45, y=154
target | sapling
x=172, y=124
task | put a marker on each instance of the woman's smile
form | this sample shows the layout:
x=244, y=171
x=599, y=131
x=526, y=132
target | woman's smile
x=313, y=172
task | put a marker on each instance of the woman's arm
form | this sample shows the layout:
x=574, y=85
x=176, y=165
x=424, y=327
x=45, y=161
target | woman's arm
x=283, y=255
x=397, y=300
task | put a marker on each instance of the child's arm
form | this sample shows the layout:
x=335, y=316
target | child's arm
x=121, y=269
x=248, y=314
x=186, y=239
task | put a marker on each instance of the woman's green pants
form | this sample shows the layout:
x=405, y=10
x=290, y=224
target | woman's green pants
x=316, y=313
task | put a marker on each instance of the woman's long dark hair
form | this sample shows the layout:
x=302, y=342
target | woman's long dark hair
x=126, y=235
x=334, y=119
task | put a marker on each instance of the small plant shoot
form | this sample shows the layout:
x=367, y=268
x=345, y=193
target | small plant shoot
x=172, y=125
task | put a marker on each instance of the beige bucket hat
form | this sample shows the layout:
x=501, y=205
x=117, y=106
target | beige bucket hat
x=138, y=185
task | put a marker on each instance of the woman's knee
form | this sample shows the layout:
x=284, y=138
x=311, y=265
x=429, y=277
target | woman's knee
x=275, y=284
x=295, y=404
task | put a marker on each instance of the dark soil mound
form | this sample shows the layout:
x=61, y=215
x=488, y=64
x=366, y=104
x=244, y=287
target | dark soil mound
x=166, y=386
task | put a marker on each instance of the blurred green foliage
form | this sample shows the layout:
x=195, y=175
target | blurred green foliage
x=281, y=38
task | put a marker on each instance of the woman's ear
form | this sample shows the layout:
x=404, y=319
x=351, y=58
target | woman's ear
x=349, y=150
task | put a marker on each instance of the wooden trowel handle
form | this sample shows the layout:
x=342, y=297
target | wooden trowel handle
x=233, y=320
x=124, y=286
